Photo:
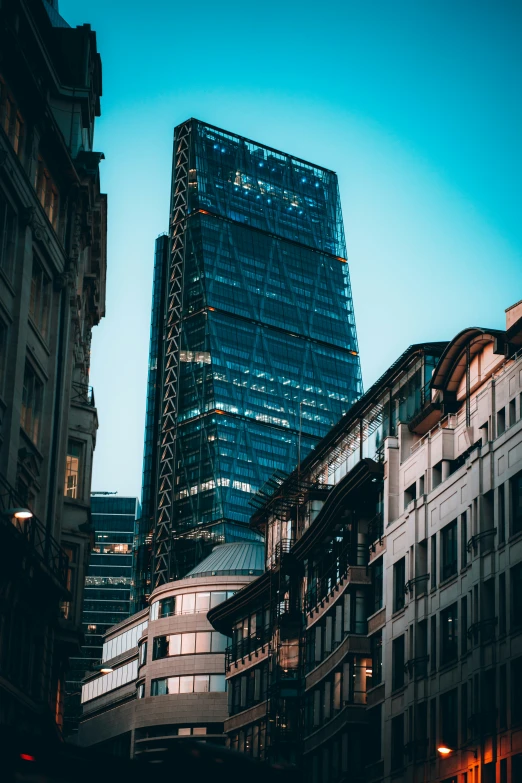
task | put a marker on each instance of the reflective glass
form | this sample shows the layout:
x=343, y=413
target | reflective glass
x=186, y=684
x=188, y=643
x=201, y=683
x=203, y=641
x=202, y=602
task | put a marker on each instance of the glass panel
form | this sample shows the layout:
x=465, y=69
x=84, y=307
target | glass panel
x=203, y=641
x=188, y=603
x=173, y=685
x=201, y=682
x=188, y=643
x=175, y=644
x=186, y=684
x=202, y=602
x=217, y=683
x=217, y=598
x=219, y=642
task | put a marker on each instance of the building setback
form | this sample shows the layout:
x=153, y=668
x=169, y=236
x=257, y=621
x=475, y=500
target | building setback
x=107, y=589
x=52, y=293
x=253, y=353
x=387, y=627
x=165, y=679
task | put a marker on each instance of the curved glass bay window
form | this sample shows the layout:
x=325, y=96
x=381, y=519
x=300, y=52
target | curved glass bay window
x=188, y=603
x=190, y=683
x=188, y=644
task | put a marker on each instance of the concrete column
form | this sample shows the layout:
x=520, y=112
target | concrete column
x=445, y=469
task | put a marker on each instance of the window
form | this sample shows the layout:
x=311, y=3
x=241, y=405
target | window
x=410, y=494
x=377, y=584
x=449, y=716
x=32, y=399
x=433, y=643
x=191, y=683
x=399, y=580
x=143, y=654
x=10, y=118
x=434, y=561
x=397, y=738
x=39, y=305
x=188, y=644
x=7, y=237
x=464, y=717
x=398, y=662
x=449, y=634
x=512, y=411
x=516, y=596
x=502, y=700
x=501, y=421
x=464, y=625
x=516, y=504
x=376, y=642
x=46, y=192
x=502, y=604
x=72, y=487
x=464, y=540
x=501, y=514
x=448, y=551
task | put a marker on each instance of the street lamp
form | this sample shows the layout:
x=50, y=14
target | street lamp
x=18, y=513
x=445, y=751
x=103, y=669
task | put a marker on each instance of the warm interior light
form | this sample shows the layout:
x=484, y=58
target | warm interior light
x=444, y=751
x=106, y=669
x=19, y=513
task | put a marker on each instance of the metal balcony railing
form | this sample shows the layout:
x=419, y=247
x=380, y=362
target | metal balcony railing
x=39, y=541
x=483, y=630
x=376, y=530
x=243, y=647
x=83, y=394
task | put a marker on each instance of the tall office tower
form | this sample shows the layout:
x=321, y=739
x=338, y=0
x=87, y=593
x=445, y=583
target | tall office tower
x=107, y=589
x=254, y=332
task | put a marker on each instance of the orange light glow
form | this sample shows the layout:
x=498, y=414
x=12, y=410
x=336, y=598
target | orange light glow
x=444, y=751
x=212, y=308
x=222, y=412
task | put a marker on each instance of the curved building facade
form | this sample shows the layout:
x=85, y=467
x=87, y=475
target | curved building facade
x=166, y=663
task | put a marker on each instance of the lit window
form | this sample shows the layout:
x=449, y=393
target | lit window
x=72, y=469
x=46, y=192
x=32, y=398
x=7, y=237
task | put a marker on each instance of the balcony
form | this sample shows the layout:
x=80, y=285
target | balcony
x=83, y=395
x=32, y=532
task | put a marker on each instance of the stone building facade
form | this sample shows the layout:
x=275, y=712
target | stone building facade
x=163, y=668
x=52, y=293
x=390, y=608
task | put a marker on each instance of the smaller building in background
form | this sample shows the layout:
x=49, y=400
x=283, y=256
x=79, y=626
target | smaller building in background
x=163, y=668
x=107, y=589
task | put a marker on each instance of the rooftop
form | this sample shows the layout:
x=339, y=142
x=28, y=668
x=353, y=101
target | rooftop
x=243, y=558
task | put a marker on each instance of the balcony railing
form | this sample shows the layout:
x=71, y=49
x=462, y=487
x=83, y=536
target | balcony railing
x=376, y=530
x=40, y=542
x=483, y=630
x=243, y=647
x=320, y=587
x=83, y=394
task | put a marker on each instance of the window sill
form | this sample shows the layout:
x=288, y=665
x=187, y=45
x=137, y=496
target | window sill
x=447, y=665
x=7, y=281
x=41, y=339
x=398, y=613
x=448, y=580
x=515, y=537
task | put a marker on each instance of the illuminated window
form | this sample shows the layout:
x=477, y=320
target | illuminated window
x=46, y=192
x=72, y=469
x=91, y=628
x=10, y=118
x=32, y=398
x=7, y=237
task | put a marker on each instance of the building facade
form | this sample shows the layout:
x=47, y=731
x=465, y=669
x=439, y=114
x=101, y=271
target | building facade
x=259, y=354
x=390, y=608
x=52, y=293
x=107, y=589
x=164, y=677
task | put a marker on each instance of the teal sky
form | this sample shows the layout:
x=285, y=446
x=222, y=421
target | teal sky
x=416, y=105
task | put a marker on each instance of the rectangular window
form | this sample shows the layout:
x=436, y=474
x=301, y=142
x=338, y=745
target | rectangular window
x=512, y=411
x=32, y=401
x=47, y=192
x=516, y=504
x=464, y=539
x=3, y=354
x=502, y=697
x=376, y=642
x=399, y=580
x=377, y=584
x=449, y=718
x=189, y=604
x=449, y=635
x=201, y=683
x=448, y=545
x=7, y=237
x=73, y=463
x=397, y=739
x=40, y=301
x=188, y=643
x=433, y=643
x=464, y=713
x=203, y=641
x=502, y=604
x=464, y=625
x=501, y=422
x=501, y=514
x=516, y=596
x=398, y=662
x=434, y=561
x=202, y=602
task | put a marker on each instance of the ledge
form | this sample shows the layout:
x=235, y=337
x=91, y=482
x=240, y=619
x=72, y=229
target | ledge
x=352, y=713
x=249, y=715
x=353, y=643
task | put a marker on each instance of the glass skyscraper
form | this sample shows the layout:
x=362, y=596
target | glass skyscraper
x=254, y=352
x=107, y=588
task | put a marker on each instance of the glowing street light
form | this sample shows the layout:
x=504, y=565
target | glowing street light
x=444, y=751
x=18, y=513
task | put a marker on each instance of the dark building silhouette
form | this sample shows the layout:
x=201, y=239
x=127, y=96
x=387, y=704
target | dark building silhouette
x=52, y=293
x=253, y=354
